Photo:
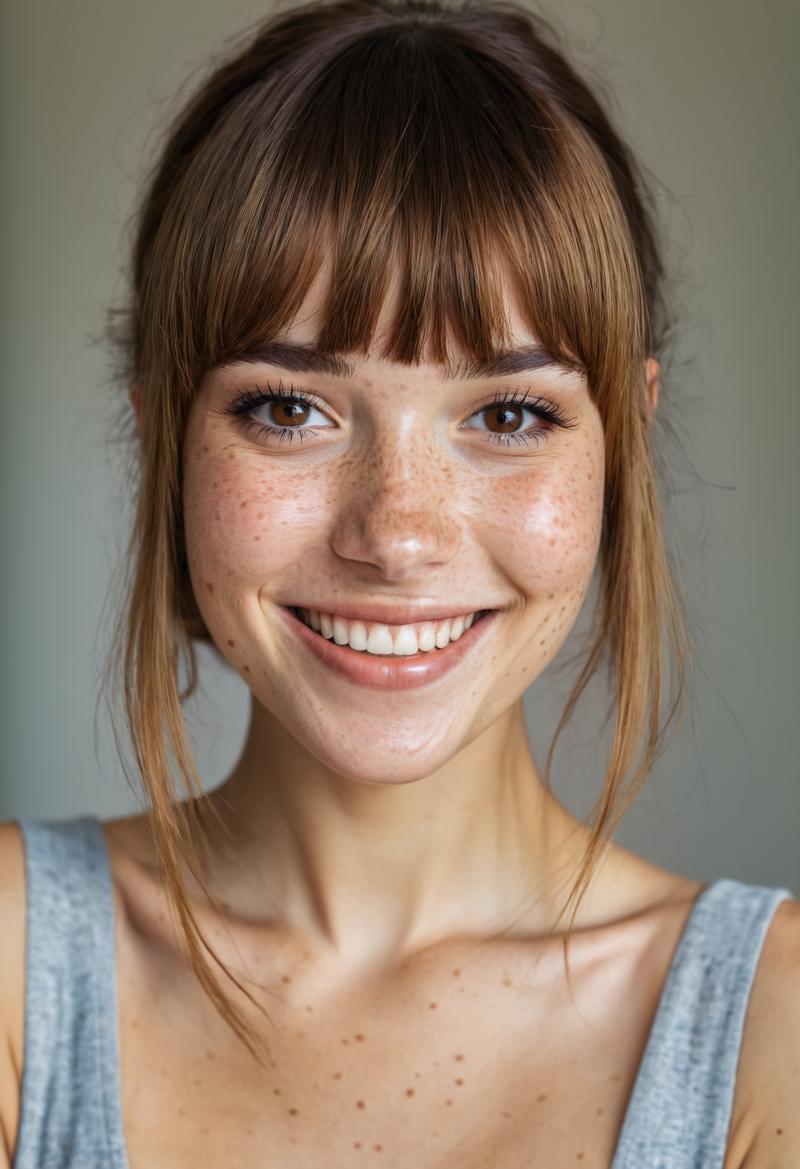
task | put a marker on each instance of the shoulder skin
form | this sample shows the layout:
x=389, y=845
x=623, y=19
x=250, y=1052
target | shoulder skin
x=769, y=1072
x=12, y=984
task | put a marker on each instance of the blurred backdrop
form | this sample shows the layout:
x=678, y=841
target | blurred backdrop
x=707, y=94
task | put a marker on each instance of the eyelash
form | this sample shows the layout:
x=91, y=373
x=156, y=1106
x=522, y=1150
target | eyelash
x=250, y=399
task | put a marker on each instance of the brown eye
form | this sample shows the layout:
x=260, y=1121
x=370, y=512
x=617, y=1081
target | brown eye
x=286, y=413
x=504, y=419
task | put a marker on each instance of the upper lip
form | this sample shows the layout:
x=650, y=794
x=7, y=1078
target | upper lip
x=391, y=614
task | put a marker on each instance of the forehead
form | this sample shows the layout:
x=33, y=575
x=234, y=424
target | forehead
x=295, y=349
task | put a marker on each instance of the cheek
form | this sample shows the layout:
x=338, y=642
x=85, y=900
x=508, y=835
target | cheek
x=548, y=524
x=243, y=522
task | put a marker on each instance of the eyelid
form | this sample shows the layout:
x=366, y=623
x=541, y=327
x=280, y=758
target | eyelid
x=550, y=414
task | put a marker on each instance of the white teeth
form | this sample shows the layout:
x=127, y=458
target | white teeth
x=379, y=640
x=443, y=635
x=341, y=634
x=426, y=638
x=405, y=643
x=384, y=640
x=358, y=635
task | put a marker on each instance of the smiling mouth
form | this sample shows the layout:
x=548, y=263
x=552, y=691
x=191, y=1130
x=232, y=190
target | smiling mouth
x=374, y=639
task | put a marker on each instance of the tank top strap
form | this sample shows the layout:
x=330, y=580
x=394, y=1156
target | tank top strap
x=679, y=1112
x=70, y=1100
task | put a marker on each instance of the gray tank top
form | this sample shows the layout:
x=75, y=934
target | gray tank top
x=71, y=1113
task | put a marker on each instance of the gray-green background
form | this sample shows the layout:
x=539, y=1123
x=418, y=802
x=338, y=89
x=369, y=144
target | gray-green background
x=705, y=91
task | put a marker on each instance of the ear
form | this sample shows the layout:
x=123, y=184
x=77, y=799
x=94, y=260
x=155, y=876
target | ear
x=136, y=399
x=653, y=375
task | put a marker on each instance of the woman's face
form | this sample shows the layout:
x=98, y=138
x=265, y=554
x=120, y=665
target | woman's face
x=397, y=493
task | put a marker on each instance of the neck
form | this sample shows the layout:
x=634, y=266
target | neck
x=374, y=870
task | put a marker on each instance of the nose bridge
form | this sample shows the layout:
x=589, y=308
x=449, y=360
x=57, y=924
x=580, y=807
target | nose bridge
x=399, y=510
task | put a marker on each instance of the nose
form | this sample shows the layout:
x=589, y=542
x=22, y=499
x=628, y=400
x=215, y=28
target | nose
x=398, y=512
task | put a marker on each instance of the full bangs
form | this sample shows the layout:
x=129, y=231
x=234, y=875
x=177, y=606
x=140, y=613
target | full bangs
x=389, y=151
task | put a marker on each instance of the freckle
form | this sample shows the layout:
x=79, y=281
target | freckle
x=458, y=1058
x=210, y=588
x=432, y=1006
x=360, y=1104
x=246, y=669
x=345, y=1043
x=541, y=1097
x=458, y=1081
x=507, y=982
x=378, y=1148
x=779, y=1132
x=600, y=1111
x=256, y=539
x=581, y=1156
x=232, y=644
x=359, y=1038
x=286, y=978
x=243, y=504
x=259, y=515
x=616, y=1076
x=196, y=1082
x=506, y=1115
x=337, y=1075
x=301, y=1034
x=230, y=456
x=449, y=1103
x=416, y=1075
x=409, y=1091
x=456, y=973
x=181, y=1112
x=209, y=1055
x=205, y=450
x=357, y=1144
x=309, y=1008
x=217, y=516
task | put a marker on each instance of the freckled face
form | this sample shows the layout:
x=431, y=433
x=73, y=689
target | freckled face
x=399, y=490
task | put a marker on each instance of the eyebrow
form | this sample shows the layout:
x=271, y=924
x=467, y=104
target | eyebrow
x=300, y=358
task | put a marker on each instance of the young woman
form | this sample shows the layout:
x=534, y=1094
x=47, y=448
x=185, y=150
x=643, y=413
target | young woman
x=393, y=349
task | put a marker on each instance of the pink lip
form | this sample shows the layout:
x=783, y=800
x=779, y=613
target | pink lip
x=392, y=613
x=387, y=673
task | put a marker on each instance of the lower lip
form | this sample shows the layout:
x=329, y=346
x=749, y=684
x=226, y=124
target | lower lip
x=389, y=673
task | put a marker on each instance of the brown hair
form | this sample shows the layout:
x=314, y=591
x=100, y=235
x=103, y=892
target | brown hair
x=454, y=144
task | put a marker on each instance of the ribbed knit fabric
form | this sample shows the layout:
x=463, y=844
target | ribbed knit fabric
x=71, y=1114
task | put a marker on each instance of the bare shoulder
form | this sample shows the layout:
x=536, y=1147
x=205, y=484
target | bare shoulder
x=768, y=1082
x=12, y=982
